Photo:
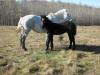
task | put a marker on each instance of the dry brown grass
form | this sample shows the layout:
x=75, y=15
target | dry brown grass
x=85, y=60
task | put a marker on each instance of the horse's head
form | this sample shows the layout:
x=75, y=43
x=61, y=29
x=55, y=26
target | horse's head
x=45, y=21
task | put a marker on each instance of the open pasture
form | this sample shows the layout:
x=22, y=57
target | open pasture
x=85, y=60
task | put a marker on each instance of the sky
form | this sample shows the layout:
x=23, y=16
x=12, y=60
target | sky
x=94, y=3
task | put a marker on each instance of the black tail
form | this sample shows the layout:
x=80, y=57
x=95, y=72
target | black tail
x=73, y=27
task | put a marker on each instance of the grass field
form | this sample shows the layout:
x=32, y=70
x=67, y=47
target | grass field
x=85, y=60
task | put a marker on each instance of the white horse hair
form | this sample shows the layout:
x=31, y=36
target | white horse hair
x=29, y=22
x=60, y=16
x=34, y=22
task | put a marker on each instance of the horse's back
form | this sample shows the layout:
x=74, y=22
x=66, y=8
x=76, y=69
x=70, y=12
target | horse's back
x=30, y=21
x=60, y=16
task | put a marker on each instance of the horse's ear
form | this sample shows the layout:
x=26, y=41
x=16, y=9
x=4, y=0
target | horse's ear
x=42, y=16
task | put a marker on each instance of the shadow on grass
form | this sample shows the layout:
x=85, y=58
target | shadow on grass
x=81, y=47
x=88, y=48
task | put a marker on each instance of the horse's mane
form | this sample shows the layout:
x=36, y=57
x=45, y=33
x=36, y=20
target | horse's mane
x=46, y=18
x=42, y=16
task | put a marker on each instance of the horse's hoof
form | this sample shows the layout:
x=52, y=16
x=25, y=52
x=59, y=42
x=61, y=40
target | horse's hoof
x=46, y=49
x=73, y=48
x=51, y=48
x=25, y=49
x=69, y=47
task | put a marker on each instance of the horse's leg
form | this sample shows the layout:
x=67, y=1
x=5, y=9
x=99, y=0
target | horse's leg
x=20, y=40
x=23, y=43
x=51, y=39
x=70, y=38
x=73, y=40
x=23, y=36
x=48, y=41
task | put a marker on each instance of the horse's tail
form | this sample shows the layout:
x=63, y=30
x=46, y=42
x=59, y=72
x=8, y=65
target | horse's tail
x=74, y=29
x=18, y=29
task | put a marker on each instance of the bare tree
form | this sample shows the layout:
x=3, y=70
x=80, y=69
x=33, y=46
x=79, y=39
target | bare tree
x=11, y=11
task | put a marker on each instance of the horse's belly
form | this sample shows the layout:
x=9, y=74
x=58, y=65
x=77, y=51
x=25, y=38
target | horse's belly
x=39, y=29
x=57, y=32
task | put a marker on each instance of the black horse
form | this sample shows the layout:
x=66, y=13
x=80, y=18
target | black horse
x=57, y=29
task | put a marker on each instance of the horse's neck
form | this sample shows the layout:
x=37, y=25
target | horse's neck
x=49, y=24
x=38, y=26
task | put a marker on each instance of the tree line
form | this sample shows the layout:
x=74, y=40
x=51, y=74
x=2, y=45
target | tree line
x=11, y=11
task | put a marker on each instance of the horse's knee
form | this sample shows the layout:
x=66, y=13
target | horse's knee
x=73, y=40
x=25, y=49
x=22, y=41
x=74, y=46
x=49, y=40
x=51, y=45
